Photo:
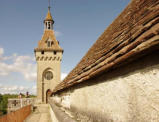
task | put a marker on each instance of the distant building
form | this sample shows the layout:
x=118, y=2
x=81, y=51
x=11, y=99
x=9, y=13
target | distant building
x=48, y=56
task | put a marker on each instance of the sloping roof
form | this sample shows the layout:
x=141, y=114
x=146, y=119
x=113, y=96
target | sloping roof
x=48, y=16
x=132, y=34
x=42, y=45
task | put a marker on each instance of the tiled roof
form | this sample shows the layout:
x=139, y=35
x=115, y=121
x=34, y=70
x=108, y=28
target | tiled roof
x=134, y=33
x=42, y=45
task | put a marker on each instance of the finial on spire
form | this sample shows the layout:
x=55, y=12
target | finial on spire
x=48, y=22
x=49, y=5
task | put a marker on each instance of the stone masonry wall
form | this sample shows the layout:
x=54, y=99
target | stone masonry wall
x=47, y=61
x=126, y=94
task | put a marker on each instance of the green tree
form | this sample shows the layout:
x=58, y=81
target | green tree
x=1, y=98
x=4, y=102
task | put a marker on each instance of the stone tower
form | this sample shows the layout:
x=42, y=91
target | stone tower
x=48, y=56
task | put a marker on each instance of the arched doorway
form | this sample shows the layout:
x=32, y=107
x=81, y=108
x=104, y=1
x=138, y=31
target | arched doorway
x=47, y=76
x=48, y=94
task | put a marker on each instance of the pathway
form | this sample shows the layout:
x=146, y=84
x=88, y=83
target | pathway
x=41, y=114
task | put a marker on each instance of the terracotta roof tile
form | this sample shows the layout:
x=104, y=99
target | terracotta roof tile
x=132, y=34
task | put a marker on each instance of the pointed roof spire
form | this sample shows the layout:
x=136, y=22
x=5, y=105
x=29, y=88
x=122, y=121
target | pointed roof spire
x=49, y=16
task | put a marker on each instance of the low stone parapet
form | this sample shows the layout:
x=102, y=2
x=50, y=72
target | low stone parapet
x=58, y=114
x=16, y=103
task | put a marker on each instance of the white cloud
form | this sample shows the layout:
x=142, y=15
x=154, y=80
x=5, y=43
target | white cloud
x=21, y=64
x=1, y=51
x=16, y=89
x=63, y=75
x=25, y=65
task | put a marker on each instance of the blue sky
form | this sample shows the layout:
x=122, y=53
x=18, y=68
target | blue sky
x=78, y=24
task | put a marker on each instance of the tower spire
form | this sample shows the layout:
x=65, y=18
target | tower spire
x=49, y=5
x=48, y=22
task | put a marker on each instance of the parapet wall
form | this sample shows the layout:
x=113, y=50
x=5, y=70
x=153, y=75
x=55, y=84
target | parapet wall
x=17, y=116
x=17, y=103
x=127, y=94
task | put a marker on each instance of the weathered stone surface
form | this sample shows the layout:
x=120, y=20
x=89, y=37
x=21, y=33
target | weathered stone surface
x=127, y=94
x=59, y=115
x=117, y=79
x=43, y=85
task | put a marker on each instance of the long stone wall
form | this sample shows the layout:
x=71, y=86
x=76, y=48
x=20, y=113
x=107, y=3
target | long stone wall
x=126, y=94
x=118, y=78
x=58, y=114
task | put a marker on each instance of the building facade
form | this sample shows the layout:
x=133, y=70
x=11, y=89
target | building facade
x=48, y=56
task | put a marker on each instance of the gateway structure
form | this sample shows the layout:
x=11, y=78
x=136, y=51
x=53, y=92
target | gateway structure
x=48, y=56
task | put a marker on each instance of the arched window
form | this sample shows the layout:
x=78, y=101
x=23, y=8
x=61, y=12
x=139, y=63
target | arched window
x=48, y=75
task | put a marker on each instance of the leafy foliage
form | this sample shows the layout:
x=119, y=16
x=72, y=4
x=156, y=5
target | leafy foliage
x=4, y=101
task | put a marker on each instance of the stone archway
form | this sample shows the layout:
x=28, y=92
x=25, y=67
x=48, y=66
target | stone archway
x=48, y=94
x=47, y=76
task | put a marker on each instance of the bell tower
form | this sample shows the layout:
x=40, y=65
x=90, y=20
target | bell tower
x=48, y=57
